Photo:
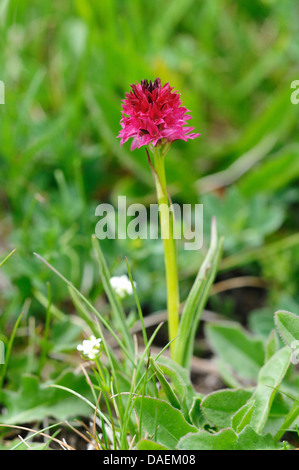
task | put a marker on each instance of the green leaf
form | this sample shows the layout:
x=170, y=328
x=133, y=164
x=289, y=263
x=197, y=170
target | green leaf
x=248, y=439
x=288, y=326
x=270, y=377
x=271, y=346
x=203, y=440
x=244, y=353
x=219, y=407
x=162, y=421
x=34, y=402
x=289, y=420
x=227, y=439
x=228, y=376
x=196, y=301
x=149, y=445
x=165, y=385
x=180, y=381
x=242, y=417
x=280, y=408
x=196, y=415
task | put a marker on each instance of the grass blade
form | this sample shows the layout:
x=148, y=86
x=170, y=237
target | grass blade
x=117, y=309
x=101, y=318
x=7, y=258
x=145, y=339
x=9, y=349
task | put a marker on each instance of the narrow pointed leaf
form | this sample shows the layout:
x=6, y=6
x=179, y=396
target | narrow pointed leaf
x=196, y=301
x=288, y=326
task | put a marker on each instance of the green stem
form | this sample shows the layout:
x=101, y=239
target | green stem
x=170, y=255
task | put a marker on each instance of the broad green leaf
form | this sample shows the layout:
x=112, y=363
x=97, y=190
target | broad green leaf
x=219, y=407
x=164, y=423
x=270, y=377
x=149, y=445
x=228, y=376
x=248, y=439
x=203, y=440
x=227, y=439
x=35, y=402
x=241, y=351
x=288, y=326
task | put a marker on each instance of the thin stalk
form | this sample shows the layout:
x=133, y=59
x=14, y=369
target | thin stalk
x=117, y=309
x=9, y=349
x=105, y=390
x=44, y=345
x=170, y=254
x=7, y=258
x=143, y=395
x=108, y=351
x=130, y=403
x=138, y=304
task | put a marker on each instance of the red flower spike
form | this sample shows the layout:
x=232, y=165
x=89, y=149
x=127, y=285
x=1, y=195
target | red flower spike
x=154, y=115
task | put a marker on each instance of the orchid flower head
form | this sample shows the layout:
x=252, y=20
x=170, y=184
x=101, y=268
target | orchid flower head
x=154, y=114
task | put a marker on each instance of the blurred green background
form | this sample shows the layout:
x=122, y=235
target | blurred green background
x=66, y=66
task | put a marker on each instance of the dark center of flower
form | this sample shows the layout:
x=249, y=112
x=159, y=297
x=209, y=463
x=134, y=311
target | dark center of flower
x=149, y=85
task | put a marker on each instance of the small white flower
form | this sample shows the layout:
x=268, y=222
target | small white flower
x=90, y=347
x=122, y=285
